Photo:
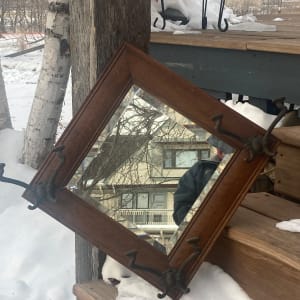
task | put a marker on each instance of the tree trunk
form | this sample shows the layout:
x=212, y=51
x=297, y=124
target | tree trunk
x=98, y=28
x=48, y=100
x=119, y=21
x=5, y=121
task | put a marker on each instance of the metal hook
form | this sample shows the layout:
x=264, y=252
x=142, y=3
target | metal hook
x=283, y=110
x=171, y=278
x=218, y=126
x=222, y=4
x=163, y=14
x=11, y=180
x=47, y=190
x=132, y=264
x=194, y=242
x=204, y=17
x=41, y=190
x=50, y=186
x=19, y=183
x=256, y=144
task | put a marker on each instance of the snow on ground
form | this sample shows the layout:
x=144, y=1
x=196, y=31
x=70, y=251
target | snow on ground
x=209, y=283
x=251, y=112
x=36, y=252
x=21, y=75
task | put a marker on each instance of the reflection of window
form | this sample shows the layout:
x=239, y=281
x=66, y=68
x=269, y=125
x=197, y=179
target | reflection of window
x=146, y=208
x=181, y=158
x=142, y=200
x=127, y=200
x=159, y=201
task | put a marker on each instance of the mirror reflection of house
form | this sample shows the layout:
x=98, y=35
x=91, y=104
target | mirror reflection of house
x=142, y=173
x=134, y=167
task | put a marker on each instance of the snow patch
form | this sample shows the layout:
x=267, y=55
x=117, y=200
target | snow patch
x=252, y=113
x=38, y=260
x=291, y=225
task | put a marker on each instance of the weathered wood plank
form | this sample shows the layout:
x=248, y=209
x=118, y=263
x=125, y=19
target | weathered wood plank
x=264, y=260
x=95, y=290
x=261, y=276
x=273, y=41
x=272, y=206
x=287, y=171
x=288, y=135
x=257, y=231
x=200, y=40
x=290, y=46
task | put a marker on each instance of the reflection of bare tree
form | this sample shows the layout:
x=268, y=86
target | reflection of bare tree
x=114, y=151
x=128, y=151
x=132, y=133
x=127, y=162
x=125, y=174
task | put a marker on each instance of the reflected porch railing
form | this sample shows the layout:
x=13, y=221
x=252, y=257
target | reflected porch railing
x=148, y=216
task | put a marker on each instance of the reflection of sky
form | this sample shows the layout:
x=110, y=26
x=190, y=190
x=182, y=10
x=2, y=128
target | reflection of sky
x=136, y=114
x=185, y=159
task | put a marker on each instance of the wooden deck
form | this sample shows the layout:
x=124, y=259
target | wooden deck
x=288, y=162
x=286, y=38
x=273, y=41
x=258, y=64
x=264, y=260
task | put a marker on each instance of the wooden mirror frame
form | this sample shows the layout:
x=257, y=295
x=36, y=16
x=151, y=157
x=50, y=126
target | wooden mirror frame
x=169, y=273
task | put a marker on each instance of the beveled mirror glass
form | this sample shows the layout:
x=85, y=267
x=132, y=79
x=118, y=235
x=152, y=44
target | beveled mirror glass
x=93, y=157
x=132, y=171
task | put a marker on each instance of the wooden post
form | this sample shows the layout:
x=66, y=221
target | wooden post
x=98, y=28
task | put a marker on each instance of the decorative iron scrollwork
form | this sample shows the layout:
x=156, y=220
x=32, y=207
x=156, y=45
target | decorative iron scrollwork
x=171, y=278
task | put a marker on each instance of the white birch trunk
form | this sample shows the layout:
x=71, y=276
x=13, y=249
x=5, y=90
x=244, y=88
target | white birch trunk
x=5, y=121
x=49, y=96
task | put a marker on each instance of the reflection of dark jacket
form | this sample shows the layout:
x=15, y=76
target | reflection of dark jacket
x=190, y=186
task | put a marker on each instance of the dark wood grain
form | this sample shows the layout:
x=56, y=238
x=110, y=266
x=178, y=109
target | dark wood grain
x=270, y=41
x=271, y=206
